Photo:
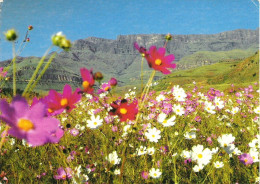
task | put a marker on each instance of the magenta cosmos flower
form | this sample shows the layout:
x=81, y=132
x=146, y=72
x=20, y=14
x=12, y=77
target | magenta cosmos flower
x=158, y=61
x=29, y=123
x=88, y=80
x=2, y=73
x=63, y=174
x=58, y=102
x=246, y=159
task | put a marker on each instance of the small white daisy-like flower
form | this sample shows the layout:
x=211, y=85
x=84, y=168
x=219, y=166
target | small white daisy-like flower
x=141, y=151
x=150, y=151
x=200, y=155
x=94, y=122
x=153, y=134
x=190, y=135
x=234, y=110
x=113, y=158
x=166, y=122
x=160, y=98
x=253, y=152
x=155, y=173
x=218, y=164
x=257, y=110
x=225, y=140
x=197, y=168
x=209, y=107
x=117, y=171
x=186, y=154
x=178, y=109
x=219, y=103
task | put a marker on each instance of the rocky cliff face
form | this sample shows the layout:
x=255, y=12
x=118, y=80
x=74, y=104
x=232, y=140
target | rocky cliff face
x=118, y=58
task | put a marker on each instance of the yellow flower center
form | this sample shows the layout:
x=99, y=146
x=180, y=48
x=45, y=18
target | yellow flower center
x=95, y=123
x=155, y=174
x=112, y=162
x=123, y=111
x=153, y=136
x=158, y=62
x=64, y=102
x=25, y=124
x=107, y=88
x=225, y=145
x=85, y=84
x=165, y=121
x=199, y=155
x=64, y=176
x=246, y=160
x=50, y=110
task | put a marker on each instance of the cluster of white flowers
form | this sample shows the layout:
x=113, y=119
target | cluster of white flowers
x=179, y=93
x=219, y=103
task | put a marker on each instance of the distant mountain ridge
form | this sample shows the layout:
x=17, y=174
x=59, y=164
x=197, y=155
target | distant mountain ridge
x=118, y=58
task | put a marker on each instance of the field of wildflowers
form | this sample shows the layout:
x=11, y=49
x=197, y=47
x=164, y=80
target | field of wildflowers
x=90, y=135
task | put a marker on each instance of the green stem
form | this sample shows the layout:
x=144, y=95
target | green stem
x=43, y=71
x=142, y=74
x=36, y=71
x=14, y=71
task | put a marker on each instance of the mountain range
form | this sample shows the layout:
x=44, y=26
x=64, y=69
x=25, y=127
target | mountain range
x=118, y=58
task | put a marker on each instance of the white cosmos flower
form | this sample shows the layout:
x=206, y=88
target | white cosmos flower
x=234, y=110
x=160, y=98
x=94, y=122
x=190, y=135
x=218, y=164
x=219, y=103
x=257, y=110
x=178, y=109
x=155, y=173
x=200, y=155
x=141, y=151
x=166, y=123
x=153, y=134
x=254, y=153
x=197, y=168
x=186, y=154
x=117, y=171
x=150, y=151
x=225, y=140
x=113, y=158
x=209, y=107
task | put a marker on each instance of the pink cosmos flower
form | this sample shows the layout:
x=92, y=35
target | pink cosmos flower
x=58, y=102
x=141, y=50
x=88, y=80
x=158, y=61
x=74, y=132
x=145, y=175
x=246, y=159
x=104, y=88
x=63, y=174
x=2, y=73
x=28, y=123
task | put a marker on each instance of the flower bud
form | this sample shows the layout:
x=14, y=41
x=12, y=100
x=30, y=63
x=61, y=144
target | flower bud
x=56, y=39
x=98, y=76
x=11, y=35
x=65, y=44
x=28, y=39
x=168, y=37
x=113, y=82
x=30, y=27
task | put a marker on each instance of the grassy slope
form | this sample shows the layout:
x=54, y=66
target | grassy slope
x=219, y=75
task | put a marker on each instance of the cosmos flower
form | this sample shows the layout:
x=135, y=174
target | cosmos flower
x=218, y=164
x=158, y=61
x=88, y=80
x=29, y=123
x=63, y=174
x=153, y=134
x=141, y=50
x=113, y=158
x=200, y=155
x=246, y=159
x=58, y=102
x=94, y=122
x=155, y=173
x=2, y=73
x=124, y=110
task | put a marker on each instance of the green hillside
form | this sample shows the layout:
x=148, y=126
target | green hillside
x=220, y=75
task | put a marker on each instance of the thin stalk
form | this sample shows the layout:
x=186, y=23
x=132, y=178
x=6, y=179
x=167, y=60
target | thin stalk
x=36, y=70
x=3, y=137
x=43, y=71
x=142, y=73
x=14, y=71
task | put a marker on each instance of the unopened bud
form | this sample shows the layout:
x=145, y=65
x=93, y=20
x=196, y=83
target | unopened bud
x=11, y=35
x=30, y=27
x=113, y=82
x=28, y=39
x=98, y=76
x=65, y=44
x=168, y=37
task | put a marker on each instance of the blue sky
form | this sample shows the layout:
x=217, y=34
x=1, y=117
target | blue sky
x=109, y=18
